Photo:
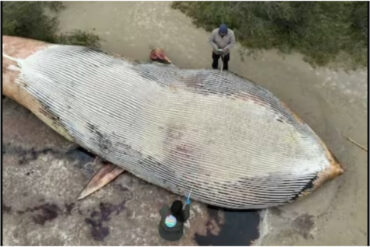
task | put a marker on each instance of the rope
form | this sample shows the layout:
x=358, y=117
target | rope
x=11, y=58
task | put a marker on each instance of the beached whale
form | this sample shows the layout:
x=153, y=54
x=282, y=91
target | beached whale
x=229, y=141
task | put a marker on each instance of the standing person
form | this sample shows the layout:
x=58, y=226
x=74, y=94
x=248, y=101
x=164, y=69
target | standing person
x=222, y=39
x=171, y=226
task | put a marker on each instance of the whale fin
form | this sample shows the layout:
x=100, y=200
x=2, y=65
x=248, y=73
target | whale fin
x=104, y=176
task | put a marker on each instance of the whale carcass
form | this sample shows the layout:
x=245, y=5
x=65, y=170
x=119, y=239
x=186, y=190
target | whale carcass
x=229, y=141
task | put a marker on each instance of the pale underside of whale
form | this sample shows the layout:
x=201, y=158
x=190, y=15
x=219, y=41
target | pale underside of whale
x=229, y=141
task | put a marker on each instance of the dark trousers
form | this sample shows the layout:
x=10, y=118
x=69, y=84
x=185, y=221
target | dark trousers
x=225, y=60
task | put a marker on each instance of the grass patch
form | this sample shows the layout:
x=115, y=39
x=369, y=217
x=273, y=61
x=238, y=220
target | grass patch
x=79, y=37
x=321, y=31
x=28, y=19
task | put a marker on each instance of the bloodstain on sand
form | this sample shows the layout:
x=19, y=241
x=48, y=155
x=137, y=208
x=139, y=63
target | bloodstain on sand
x=43, y=213
x=97, y=218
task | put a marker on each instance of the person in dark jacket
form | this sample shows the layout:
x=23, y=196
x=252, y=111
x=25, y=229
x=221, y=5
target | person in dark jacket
x=171, y=226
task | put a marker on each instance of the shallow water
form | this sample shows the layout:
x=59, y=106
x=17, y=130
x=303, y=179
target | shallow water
x=332, y=102
x=237, y=227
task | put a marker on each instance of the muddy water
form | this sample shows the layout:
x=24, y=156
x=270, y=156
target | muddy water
x=332, y=102
x=237, y=227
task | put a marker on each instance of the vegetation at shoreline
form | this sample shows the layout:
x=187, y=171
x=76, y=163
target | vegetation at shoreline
x=324, y=32
x=29, y=20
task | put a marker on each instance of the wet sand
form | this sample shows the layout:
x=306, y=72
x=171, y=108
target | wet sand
x=332, y=102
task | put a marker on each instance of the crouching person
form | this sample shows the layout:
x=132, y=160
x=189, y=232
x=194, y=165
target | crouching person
x=172, y=222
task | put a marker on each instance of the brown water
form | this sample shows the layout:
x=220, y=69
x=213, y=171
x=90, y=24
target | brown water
x=332, y=102
x=238, y=228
